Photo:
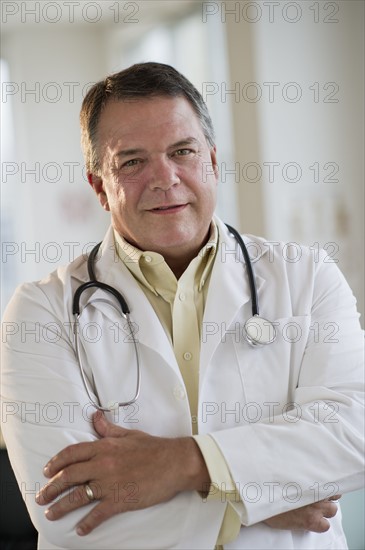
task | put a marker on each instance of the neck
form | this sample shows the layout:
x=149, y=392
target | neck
x=178, y=265
x=177, y=258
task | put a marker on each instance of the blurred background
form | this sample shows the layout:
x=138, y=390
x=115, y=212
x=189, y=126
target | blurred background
x=284, y=82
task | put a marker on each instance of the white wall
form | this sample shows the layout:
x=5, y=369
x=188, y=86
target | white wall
x=323, y=129
x=48, y=200
x=304, y=61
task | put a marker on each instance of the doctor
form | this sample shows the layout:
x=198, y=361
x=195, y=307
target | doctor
x=226, y=443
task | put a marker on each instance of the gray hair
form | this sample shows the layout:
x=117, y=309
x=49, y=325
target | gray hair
x=143, y=80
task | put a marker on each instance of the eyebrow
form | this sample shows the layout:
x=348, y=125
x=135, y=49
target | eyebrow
x=137, y=151
x=186, y=141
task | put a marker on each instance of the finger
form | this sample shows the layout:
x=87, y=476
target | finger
x=105, y=428
x=317, y=514
x=322, y=526
x=80, y=452
x=335, y=498
x=327, y=508
x=72, y=501
x=330, y=510
x=100, y=513
x=63, y=481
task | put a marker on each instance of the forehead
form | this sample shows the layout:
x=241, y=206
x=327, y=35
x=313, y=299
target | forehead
x=142, y=122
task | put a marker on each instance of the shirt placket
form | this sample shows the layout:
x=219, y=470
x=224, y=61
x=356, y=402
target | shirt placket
x=186, y=339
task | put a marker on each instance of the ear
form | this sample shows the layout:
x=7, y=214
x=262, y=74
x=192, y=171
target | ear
x=96, y=183
x=213, y=156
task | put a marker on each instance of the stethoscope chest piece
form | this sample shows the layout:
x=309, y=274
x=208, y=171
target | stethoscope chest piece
x=259, y=331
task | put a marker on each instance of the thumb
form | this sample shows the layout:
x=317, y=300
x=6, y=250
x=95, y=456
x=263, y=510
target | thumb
x=105, y=428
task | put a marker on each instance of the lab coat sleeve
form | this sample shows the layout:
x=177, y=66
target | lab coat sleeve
x=222, y=485
x=44, y=407
x=43, y=402
x=315, y=449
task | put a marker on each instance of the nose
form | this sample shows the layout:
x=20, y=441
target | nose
x=163, y=174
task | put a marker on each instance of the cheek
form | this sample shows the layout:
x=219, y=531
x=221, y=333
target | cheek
x=116, y=194
x=126, y=199
x=205, y=174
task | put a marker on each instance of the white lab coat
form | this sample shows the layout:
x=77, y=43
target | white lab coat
x=280, y=455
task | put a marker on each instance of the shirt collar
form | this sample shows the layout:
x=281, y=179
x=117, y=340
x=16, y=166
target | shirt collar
x=146, y=266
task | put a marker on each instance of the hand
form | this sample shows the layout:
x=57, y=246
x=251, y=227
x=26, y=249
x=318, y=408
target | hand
x=126, y=470
x=310, y=518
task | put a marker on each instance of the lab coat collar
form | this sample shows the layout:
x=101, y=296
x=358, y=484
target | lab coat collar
x=110, y=269
x=229, y=281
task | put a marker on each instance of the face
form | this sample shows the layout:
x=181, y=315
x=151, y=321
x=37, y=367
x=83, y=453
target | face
x=158, y=175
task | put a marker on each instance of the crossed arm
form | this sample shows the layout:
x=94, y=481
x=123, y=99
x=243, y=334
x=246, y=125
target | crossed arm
x=130, y=470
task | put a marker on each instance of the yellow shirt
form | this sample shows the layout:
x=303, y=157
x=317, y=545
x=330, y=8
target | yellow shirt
x=180, y=305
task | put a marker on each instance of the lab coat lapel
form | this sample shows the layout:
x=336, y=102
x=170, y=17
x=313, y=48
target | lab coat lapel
x=229, y=291
x=149, y=332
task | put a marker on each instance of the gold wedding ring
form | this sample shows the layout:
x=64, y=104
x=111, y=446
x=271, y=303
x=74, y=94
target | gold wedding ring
x=89, y=492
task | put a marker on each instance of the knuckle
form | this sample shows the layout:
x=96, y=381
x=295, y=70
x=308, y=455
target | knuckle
x=79, y=495
x=105, y=464
x=99, y=514
x=68, y=453
x=111, y=443
x=96, y=489
x=65, y=476
x=71, y=453
x=51, y=490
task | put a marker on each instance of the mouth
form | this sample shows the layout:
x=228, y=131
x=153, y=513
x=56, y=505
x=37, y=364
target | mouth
x=167, y=209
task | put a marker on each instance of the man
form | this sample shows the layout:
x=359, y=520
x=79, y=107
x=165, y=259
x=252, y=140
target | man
x=225, y=443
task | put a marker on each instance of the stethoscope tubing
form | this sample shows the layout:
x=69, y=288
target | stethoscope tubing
x=250, y=274
x=254, y=327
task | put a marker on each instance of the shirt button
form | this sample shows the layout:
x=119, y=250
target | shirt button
x=194, y=419
x=182, y=296
x=179, y=393
x=147, y=259
x=187, y=356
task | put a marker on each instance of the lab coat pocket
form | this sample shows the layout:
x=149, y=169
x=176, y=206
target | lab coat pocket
x=245, y=384
x=270, y=373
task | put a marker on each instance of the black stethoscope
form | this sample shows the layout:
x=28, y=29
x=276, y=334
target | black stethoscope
x=258, y=330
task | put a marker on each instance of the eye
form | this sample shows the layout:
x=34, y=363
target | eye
x=183, y=152
x=131, y=166
x=129, y=163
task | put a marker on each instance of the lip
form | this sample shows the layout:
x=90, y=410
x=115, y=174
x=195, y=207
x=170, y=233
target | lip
x=167, y=209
